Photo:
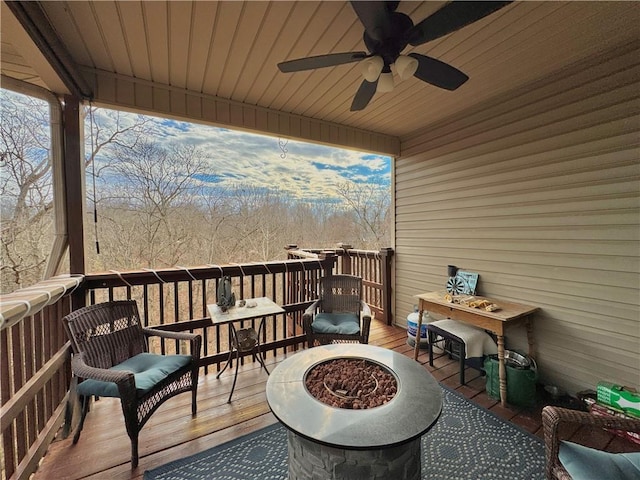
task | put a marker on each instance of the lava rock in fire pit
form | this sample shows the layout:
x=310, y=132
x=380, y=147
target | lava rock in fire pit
x=351, y=383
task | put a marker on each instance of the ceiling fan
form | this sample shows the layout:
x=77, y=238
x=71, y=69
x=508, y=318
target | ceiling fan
x=386, y=34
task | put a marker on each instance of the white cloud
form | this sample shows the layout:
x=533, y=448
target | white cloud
x=306, y=171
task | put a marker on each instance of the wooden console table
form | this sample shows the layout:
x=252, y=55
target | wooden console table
x=509, y=314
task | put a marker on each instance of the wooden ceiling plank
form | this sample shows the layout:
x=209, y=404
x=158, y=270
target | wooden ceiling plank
x=113, y=37
x=180, y=41
x=89, y=30
x=317, y=41
x=62, y=16
x=296, y=22
x=250, y=21
x=202, y=25
x=131, y=19
x=155, y=16
x=262, y=58
x=226, y=24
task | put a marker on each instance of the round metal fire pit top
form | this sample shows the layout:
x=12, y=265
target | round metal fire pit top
x=414, y=409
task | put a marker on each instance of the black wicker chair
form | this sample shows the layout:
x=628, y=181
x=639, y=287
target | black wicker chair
x=597, y=464
x=111, y=355
x=339, y=315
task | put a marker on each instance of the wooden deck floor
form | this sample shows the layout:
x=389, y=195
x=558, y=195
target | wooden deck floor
x=104, y=450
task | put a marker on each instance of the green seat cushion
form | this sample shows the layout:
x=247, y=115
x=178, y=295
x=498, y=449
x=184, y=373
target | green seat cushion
x=148, y=368
x=585, y=463
x=341, y=323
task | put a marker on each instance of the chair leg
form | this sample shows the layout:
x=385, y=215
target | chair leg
x=134, y=451
x=85, y=409
x=463, y=353
x=235, y=376
x=432, y=341
x=229, y=360
x=194, y=403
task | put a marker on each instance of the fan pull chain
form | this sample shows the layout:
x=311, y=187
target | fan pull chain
x=93, y=176
x=282, y=143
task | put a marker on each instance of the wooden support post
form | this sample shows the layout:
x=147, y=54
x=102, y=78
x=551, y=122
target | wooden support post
x=327, y=255
x=291, y=246
x=386, y=255
x=73, y=180
x=345, y=258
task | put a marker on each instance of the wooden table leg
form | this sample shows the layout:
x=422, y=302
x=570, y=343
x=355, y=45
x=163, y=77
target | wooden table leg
x=416, y=349
x=502, y=371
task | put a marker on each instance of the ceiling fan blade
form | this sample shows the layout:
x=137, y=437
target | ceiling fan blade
x=450, y=18
x=438, y=73
x=320, y=61
x=365, y=93
x=375, y=17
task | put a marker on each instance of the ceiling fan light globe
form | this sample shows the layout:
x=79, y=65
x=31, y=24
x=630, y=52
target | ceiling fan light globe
x=385, y=82
x=371, y=68
x=406, y=66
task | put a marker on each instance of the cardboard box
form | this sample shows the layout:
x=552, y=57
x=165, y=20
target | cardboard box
x=603, y=411
x=621, y=398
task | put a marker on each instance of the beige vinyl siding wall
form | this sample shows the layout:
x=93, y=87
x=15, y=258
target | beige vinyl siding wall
x=538, y=192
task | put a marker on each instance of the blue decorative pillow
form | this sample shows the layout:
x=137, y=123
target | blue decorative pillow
x=341, y=323
x=148, y=368
x=585, y=463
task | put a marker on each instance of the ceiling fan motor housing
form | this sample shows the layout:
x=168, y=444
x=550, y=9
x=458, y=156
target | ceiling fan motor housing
x=393, y=41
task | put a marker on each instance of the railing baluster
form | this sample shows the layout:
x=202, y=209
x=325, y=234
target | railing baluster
x=176, y=311
x=18, y=380
x=161, y=309
x=29, y=362
x=39, y=362
x=8, y=449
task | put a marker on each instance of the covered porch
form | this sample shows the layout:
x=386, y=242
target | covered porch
x=528, y=174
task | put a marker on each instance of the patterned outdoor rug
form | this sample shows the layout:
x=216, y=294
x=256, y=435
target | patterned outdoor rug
x=467, y=442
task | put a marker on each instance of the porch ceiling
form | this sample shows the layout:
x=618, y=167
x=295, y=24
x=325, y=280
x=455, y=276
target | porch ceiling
x=230, y=50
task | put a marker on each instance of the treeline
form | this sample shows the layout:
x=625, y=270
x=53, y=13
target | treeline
x=241, y=224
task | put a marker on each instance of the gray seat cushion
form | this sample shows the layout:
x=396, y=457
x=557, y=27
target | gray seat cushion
x=585, y=463
x=340, y=323
x=149, y=369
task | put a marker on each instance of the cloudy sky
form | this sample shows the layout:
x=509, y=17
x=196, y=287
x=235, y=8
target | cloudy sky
x=305, y=171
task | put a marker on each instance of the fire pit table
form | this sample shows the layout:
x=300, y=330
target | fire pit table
x=377, y=440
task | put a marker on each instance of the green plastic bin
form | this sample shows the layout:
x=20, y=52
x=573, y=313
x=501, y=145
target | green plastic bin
x=521, y=382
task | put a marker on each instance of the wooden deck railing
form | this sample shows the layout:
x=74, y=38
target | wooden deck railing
x=35, y=354
x=177, y=298
x=34, y=373
x=374, y=266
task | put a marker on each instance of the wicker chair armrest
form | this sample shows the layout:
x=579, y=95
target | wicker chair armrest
x=552, y=417
x=555, y=415
x=366, y=322
x=311, y=309
x=81, y=369
x=307, y=316
x=366, y=310
x=193, y=338
x=152, y=332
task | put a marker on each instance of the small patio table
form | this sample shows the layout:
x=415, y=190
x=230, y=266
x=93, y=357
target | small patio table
x=509, y=313
x=244, y=340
